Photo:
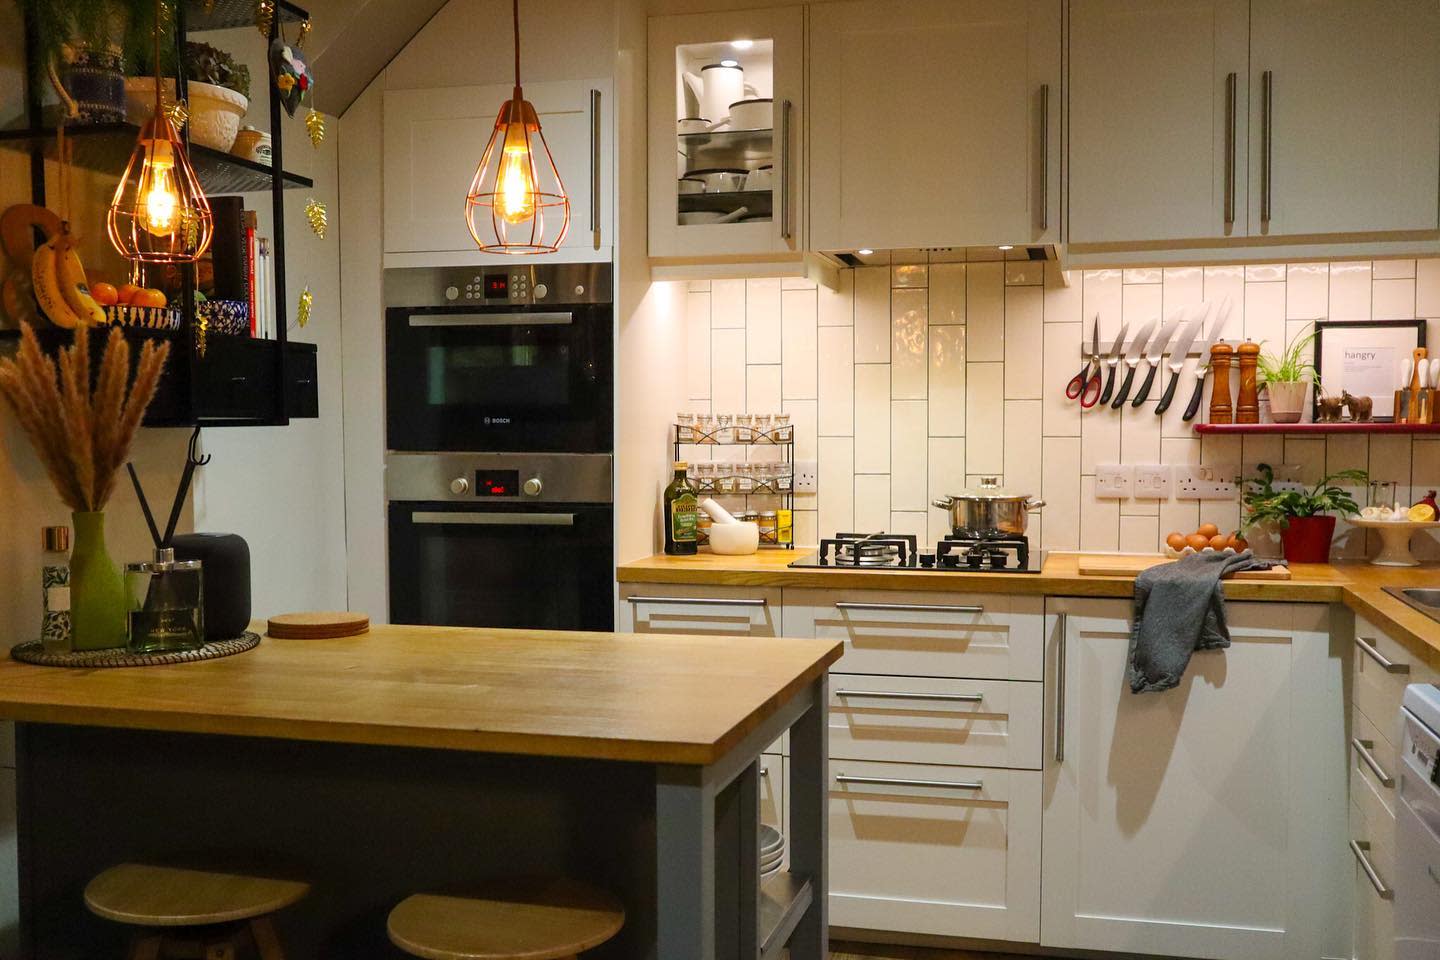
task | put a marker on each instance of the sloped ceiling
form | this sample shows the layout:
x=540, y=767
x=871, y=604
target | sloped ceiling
x=353, y=40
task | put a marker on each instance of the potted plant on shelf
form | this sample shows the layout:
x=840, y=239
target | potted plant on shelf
x=1304, y=517
x=218, y=88
x=1287, y=379
x=79, y=47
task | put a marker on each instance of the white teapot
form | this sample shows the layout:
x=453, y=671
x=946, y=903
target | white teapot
x=716, y=86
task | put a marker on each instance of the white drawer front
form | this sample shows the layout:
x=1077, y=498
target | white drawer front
x=1373, y=759
x=1378, y=690
x=983, y=723
x=949, y=860
x=699, y=610
x=908, y=634
x=1374, y=915
x=1372, y=821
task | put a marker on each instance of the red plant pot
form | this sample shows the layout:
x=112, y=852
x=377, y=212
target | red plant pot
x=1307, y=539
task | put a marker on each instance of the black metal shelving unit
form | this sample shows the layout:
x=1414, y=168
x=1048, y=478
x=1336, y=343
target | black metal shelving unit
x=780, y=488
x=238, y=381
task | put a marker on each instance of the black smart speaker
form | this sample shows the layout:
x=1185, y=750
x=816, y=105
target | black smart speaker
x=225, y=559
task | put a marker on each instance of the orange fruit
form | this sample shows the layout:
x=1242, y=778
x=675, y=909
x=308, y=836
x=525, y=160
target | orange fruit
x=126, y=293
x=1239, y=544
x=1207, y=530
x=1421, y=513
x=148, y=298
x=105, y=294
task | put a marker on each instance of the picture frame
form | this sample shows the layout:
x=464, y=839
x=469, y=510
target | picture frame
x=1364, y=354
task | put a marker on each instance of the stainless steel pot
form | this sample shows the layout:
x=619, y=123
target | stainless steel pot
x=988, y=511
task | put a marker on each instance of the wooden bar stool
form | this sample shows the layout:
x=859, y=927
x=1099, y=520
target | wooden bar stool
x=531, y=919
x=192, y=913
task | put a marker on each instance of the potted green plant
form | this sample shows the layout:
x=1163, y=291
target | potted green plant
x=1304, y=517
x=79, y=46
x=218, y=88
x=1287, y=378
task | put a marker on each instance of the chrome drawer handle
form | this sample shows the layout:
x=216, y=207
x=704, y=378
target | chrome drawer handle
x=897, y=782
x=704, y=601
x=1367, y=645
x=905, y=695
x=1362, y=747
x=1360, y=848
x=922, y=607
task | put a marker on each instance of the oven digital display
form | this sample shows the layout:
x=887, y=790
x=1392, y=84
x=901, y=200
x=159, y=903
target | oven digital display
x=497, y=483
x=496, y=285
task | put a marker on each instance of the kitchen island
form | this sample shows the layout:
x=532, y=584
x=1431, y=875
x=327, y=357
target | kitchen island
x=418, y=758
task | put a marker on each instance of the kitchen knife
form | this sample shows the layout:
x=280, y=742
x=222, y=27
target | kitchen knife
x=1179, y=352
x=1202, y=368
x=1132, y=360
x=1156, y=353
x=1112, y=360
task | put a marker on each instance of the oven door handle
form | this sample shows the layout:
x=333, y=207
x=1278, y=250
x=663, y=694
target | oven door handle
x=495, y=519
x=490, y=319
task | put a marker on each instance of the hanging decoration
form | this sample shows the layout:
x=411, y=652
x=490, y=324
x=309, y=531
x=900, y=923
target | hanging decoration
x=517, y=202
x=316, y=213
x=159, y=213
x=302, y=309
x=304, y=32
x=315, y=126
x=178, y=113
x=291, y=73
x=264, y=17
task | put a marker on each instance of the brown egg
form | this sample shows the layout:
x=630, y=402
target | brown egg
x=1197, y=541
x=1219, y=541
x=1207, y=530
x=1239, y=544
x=1175, y=541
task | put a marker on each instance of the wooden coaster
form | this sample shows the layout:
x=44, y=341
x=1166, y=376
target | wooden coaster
x=318, y=625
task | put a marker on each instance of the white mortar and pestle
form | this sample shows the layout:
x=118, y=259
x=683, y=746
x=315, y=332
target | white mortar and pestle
x=728, y=536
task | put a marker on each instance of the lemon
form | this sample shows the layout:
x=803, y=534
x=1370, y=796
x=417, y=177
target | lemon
x=1422, y=513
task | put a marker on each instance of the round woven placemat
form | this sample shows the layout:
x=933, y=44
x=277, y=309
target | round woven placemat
x=32, y=652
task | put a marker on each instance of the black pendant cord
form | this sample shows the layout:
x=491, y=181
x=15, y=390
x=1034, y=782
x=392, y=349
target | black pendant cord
x=515, y=19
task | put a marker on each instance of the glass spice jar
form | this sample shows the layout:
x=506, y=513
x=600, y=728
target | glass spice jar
x=769, y=526
x=685, y=427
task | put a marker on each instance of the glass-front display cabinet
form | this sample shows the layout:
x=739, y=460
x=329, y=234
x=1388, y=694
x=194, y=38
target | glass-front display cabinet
x=726, y=135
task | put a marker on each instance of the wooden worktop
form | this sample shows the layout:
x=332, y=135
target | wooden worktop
x=1357, y=585
x=650, y=699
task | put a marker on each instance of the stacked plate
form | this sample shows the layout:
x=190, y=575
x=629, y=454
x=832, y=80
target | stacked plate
x=772, y=851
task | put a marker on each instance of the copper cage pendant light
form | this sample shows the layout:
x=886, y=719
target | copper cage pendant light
x=159, y=213
x=517, y=202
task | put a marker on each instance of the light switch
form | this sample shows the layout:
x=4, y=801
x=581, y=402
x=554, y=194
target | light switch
x=1152, y=481
x=1112, y=481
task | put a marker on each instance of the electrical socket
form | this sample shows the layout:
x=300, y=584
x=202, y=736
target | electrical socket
x=1112, y=481
x=1152, y=481
x=1210, y=481
x=807, y=476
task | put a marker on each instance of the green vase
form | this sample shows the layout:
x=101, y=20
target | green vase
x=97, y=593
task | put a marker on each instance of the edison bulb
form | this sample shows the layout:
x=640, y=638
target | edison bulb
x=515, y=180
x=160, y=198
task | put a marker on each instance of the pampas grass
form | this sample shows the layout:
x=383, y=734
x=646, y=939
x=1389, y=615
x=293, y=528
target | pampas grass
x=82, y=437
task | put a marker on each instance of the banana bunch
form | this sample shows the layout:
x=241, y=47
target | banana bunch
x=59, y=281
x=18, y=224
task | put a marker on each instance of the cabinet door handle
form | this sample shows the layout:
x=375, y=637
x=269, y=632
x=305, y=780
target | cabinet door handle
x=595, y=166
x=1064, y=628
x=703, y=601
x=1362, y=748
x=906, y=695
x=1367, y=644
x=1360, y=848
x=1231, y=82
x=786, y=230
x=1044, y=156
x=1267, y=152
x=898, y=782
x=922, y=607
x=494, y=519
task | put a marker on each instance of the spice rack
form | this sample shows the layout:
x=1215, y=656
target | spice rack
x=747, y=478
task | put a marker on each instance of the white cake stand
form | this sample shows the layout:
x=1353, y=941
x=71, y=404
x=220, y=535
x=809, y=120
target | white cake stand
x=1395, y=539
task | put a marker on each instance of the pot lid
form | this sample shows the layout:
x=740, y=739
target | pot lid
x=989, y=489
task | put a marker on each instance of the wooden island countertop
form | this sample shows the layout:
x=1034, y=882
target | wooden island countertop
x=648, y=699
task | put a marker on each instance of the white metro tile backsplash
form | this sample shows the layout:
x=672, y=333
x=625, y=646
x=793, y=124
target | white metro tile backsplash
x=908, y=384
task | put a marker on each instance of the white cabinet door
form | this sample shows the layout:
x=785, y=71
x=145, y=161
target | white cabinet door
x=1204, y=821
x=434, y=140
x=948, y=851
x=701, y=610
x=1345, y=140
x=934, y=123
x=1157, y=100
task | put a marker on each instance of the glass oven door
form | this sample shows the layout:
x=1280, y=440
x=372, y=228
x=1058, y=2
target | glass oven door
x=500, y=378
x=530, y=566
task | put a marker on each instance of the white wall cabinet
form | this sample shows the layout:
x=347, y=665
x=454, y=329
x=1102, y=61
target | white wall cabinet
x=934, y=123
x=434, y=139
x=1206, y=821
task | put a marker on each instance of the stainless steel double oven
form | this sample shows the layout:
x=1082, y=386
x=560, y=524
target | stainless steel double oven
x=500, y=429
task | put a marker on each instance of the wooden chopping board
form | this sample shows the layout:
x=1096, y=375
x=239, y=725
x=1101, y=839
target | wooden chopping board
x=1131, y=564
x=317, y=625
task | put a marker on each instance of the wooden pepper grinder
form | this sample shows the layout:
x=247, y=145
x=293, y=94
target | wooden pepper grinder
x=1419, y=410
x=1220, y=408
x=1247, y=407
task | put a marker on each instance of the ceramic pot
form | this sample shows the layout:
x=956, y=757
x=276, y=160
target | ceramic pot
x=97, y=592
x=1287, y=400
x=215, y=112
x=1307, y=539
x=95, y=80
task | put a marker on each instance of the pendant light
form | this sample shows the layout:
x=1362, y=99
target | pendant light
x=159, y=213
x=517, y=203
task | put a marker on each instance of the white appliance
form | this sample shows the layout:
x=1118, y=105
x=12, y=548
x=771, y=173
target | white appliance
x=1417, y=827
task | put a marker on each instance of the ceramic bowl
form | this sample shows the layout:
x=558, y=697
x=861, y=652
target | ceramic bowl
x=723, y=180
x=689, y=218
x=229, y=317
x=734, y=539
x=759, y=179
x=147, y=318
x=692, y=125
x=754, y=114
x=690, y=185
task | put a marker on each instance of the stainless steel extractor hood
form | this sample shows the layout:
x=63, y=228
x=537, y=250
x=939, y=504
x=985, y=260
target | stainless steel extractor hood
x=921, y=256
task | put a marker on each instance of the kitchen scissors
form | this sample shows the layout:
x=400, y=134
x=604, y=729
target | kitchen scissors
x=1085, y=385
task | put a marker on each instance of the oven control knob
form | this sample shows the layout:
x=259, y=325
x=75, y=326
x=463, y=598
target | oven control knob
x=540, y=291
x=459, y=486
x=533, y=487
x=452, y=292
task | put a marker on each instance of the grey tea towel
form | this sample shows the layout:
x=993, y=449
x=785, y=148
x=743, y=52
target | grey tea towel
x=1179, y=608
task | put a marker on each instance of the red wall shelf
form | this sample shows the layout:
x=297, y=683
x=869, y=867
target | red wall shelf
x=1292, y=428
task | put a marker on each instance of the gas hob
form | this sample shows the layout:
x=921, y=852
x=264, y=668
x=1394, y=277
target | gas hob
x=885, y=551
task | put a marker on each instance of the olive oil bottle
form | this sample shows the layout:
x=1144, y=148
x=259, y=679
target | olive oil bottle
x=681, y=514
